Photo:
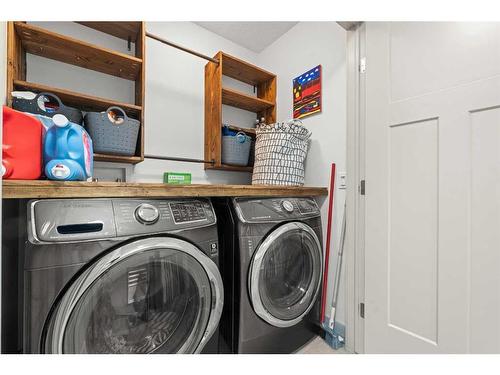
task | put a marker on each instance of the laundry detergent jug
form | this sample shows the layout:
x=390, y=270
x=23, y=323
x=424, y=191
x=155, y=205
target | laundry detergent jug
x=21, y=146
x=67, y=153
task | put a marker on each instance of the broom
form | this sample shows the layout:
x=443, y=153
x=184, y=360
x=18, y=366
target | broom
x=334, y=338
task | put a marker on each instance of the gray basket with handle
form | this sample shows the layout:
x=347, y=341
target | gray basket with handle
x=236, y=149
x=112, y=132
x=39, y=106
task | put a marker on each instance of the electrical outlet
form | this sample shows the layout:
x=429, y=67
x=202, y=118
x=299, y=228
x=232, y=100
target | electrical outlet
x=342, y=180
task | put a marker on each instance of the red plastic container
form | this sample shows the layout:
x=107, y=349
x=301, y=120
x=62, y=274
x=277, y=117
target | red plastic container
x=21, y=146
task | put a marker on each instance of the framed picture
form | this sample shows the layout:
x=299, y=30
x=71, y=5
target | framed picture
x=307, y=93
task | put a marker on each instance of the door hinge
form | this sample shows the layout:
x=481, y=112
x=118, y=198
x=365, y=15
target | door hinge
x=362, y=65
x=362, y=310
x=362, y=187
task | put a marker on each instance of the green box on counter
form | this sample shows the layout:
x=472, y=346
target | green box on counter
x=177, y=178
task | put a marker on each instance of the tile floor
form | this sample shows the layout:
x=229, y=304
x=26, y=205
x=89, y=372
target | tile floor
x=319, y=346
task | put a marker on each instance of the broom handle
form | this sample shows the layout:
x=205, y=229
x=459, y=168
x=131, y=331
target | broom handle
x=328, y=239
x=336, y=288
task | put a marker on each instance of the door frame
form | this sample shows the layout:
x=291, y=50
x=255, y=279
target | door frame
x=355, y=207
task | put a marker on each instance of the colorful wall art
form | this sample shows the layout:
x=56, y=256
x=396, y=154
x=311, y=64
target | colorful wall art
x=307, y=93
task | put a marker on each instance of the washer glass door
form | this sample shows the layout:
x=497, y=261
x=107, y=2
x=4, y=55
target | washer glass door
x=285, y=274
x=159, y=295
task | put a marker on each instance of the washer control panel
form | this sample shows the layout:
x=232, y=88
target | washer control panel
x=188, y=212
x=287, y=206
x=147, y=214
x=74, y=220
x=150, y=216
x=275, y=209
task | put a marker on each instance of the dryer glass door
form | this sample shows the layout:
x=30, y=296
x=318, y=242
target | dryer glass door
x=158, y=295
x=285, y=275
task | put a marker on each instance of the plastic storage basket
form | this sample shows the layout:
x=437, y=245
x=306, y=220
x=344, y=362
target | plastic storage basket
x=235, y=147
x=112, y=132
x=47, y=104
x=280, y=153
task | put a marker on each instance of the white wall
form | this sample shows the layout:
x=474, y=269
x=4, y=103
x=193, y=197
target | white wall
x=3, y=97
x=303, y=47
x=3, y=63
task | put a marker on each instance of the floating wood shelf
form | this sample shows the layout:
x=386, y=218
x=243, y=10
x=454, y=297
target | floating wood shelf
x=82, y=101
x=45, y=43
x=232, y=168
x=264, y=104
x=123, y=30
x=243, y=101
x=72, y=189
x=243, y=71
x=118, y=158
x=23, y=38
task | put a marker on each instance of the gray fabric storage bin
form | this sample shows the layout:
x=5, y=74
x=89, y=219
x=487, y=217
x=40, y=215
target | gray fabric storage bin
x=37, y=107
x=112, y=135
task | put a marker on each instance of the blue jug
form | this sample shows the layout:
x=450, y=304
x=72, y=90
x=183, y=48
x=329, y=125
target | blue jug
x=67, y=151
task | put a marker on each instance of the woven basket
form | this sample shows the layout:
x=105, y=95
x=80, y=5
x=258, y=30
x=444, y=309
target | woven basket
x=280, y=153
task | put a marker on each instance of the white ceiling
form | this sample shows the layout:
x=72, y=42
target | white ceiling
x=255, y=36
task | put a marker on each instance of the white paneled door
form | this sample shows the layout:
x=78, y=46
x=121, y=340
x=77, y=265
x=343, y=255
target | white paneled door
x=432, y=240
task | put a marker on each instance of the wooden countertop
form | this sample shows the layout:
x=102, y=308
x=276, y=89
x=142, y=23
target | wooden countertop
x=72, y=189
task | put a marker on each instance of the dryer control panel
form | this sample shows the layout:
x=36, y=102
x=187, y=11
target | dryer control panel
x=275, y=209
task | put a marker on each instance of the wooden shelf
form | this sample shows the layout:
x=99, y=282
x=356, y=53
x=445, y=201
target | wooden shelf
x=243, y=71
x=228, y=167
x=264, y=104
x=118, y=158
x=82, y=101
x=24, y=38
x=72, y=189
x=45, y=43
x=122, y=30
x=243, y=101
